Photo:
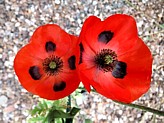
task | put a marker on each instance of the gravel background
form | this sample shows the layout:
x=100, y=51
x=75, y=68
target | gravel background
x=19, y=19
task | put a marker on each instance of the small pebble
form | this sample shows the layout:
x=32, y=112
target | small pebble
x=3, y=100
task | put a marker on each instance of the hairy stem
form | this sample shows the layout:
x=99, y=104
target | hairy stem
x=144, y=108
x=154, y=111
x=69, y=120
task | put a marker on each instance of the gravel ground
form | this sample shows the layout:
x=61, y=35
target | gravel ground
x=19, y=19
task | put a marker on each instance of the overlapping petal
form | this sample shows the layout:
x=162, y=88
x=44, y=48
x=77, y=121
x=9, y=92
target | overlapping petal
x=48, y=42
x=130, y=50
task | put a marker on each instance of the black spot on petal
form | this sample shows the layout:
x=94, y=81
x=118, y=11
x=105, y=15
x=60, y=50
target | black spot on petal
x=119, y=70
x=50, y=46
x=105, y=36
x=81, y=53
x=59, y=86
x=81, y=47
x=34, y=72
x=71, y=62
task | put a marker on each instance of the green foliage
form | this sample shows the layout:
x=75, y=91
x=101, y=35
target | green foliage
x=88, y=121
x=51, y=112
x=74, y=111
x=40, y=109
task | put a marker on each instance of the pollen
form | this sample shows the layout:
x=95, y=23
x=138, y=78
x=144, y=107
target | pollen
x=52, y=65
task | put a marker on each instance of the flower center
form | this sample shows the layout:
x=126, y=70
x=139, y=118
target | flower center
x=52, y=65
x=105, y=60
x=108, y=59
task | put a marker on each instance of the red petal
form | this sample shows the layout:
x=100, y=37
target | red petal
x=124, y=90
x=45, y=89
x=129, y=49
x=54, y=33
x=125, y=32
x=35, y=52
x=22, y=63
x=89, y=31
x=136, y=57
x=89, y=22
x=106, y=85
x=123, y=27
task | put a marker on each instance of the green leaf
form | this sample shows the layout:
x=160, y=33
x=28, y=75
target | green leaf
x=162, y=25
x=74, y=111
x=35, y=111
x=45, y=104
x=56, y=103
x=59, y=114
x=58, y=120
x=40, y=105
x=88, y=121
x=36, y=119
x=41, y=108
x=53, y=114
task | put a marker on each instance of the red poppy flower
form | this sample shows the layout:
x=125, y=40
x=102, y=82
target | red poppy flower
x=47, y=65
x=113, y=59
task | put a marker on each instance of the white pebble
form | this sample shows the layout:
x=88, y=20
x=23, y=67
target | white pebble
x=120, y=112
x=17, y=24
x=94, y=2
x=10, y=75
x=7, y=63
x=57, y=1
x=3, y=100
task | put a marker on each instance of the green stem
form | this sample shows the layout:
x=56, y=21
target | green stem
x=68, y=104
x=154, y=111
x=69, y=120
x=144, y=108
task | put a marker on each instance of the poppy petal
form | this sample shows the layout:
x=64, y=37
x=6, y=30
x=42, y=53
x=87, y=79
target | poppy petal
x=118, y=34
x=136, y=57
x=50, y=33
x=57, y=87
x=47, y=65
x=24, y=60
x=118, y=25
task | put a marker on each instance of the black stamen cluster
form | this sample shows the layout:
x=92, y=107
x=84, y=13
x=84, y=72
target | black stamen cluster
x=100, y=60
